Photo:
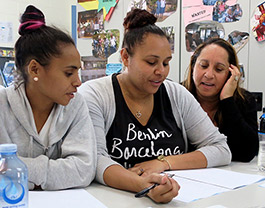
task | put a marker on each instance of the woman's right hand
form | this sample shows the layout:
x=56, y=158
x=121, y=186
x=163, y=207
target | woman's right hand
x=166, y=190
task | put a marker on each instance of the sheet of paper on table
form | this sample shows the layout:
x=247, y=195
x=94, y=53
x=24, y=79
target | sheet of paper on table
x=67, y=199
x=201, y=183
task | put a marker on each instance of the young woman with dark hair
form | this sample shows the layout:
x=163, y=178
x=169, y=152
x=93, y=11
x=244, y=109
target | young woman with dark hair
x=43, y=114
x=143, y=122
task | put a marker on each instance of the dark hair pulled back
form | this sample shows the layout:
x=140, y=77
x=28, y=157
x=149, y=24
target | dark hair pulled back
x=37, y=41
x=136, y=25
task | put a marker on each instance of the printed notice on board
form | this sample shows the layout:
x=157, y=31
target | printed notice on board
x=6, y=31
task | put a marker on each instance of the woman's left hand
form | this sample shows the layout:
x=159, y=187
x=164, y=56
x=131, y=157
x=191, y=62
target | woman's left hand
x=148, y=167
x=231, y=84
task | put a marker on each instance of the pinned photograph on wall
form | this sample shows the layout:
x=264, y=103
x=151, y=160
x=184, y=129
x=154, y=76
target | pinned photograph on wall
x=93, y=67
x=258, y=22
x=162, y=9
x=224, y=13
x=89, y=22
x=105, y=43
x=198, y=32
x=169, y=31
x=238, y=39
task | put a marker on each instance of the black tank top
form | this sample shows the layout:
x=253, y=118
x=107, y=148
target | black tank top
x=129, y=142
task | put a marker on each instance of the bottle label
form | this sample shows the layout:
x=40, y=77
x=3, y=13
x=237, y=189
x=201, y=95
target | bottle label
x=12, y=194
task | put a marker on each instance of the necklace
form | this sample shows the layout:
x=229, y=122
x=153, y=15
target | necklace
x=130, y=101
x=138, y=114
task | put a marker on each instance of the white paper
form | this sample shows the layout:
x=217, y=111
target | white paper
x=219, y=177
x=63, y=199
x=201, y=183
x=193, y=190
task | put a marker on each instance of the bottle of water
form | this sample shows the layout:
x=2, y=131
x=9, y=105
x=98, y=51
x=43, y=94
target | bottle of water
x=13, y=178
x=261, y=154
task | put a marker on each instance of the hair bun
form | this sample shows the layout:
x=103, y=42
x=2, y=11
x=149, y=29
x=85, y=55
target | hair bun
x=138, y=18
x=31, y=20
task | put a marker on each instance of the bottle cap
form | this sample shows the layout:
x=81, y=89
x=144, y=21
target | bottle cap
x=8, y=148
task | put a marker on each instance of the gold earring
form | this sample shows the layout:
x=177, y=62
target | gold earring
x=36, y=79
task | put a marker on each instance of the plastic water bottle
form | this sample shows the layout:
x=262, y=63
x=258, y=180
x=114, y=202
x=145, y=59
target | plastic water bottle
x=261, y=154
x=13, y=178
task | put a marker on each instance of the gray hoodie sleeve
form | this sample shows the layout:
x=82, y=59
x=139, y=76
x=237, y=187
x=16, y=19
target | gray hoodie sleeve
x=75, y=164
x=100, y=100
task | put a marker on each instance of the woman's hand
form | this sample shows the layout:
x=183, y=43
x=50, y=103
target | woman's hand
x=166, y=190
x=148, y=167
x=231, y=84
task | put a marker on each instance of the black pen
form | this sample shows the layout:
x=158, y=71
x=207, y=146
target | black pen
x=146, y=190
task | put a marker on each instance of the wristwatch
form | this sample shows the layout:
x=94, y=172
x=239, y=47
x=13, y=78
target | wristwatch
x=162, y=158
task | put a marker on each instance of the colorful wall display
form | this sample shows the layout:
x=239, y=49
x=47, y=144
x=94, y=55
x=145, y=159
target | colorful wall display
x=258, y=22
x=221, y=11
x=162, y=9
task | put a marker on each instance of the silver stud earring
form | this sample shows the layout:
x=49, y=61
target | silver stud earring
x=36, y=79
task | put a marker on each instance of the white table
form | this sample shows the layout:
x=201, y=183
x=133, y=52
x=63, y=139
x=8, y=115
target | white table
x=252, y=196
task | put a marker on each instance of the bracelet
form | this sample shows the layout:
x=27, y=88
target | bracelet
x=162, y=158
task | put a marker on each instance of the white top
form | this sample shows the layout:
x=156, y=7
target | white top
x=163, y=3
x=44, y=132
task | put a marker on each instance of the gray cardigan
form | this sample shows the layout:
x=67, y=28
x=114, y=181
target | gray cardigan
x=194, y=123
x=69, y=160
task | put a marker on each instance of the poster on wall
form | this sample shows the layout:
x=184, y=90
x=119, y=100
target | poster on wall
x=162, y=9
x=221, y=11
x=258, y=22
